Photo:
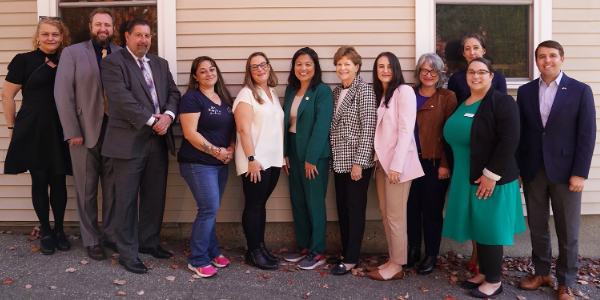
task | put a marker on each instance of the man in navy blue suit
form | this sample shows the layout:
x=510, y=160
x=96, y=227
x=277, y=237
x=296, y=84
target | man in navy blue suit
x=558, y=133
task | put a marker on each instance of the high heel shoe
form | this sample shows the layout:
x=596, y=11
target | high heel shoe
x=258, y=259
x=414, y=256
x=266, y=252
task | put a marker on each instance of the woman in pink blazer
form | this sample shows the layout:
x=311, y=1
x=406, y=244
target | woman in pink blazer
x=397, y=159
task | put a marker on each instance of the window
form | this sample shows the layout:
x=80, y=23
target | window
x=518, y=70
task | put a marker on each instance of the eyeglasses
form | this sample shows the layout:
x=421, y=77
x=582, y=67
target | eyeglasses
x=263, y=66
x=49, y=18
x=480, y=72
x=433, y=73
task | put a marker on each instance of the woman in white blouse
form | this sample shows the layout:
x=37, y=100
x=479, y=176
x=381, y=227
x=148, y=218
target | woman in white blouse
x=259, y=152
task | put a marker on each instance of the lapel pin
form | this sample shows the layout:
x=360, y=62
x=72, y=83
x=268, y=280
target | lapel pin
x=306, y=98
x=564, y=88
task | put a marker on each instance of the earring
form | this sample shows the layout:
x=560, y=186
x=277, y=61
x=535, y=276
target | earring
x=38, y=43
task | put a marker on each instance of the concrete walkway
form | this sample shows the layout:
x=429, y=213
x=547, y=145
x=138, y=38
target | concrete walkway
x=37, y=276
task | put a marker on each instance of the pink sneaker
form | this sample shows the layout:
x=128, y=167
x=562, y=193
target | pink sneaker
x=207, y=271
x=221, y=261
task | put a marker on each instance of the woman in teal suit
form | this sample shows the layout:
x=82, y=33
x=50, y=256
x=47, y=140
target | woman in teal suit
x=308, y=111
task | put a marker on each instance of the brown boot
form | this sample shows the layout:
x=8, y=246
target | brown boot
x=565, y=293
x=533, y=283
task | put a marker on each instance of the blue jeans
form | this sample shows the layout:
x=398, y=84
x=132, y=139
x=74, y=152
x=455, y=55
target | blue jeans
x=207, y=184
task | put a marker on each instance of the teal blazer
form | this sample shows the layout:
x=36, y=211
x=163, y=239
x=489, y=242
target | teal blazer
x=312, y=124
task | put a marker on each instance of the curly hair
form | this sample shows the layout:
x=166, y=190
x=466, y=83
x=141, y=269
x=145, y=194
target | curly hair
x=56, y=22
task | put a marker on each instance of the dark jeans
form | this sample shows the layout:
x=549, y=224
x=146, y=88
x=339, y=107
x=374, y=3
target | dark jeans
x=490, y=261
x=351, y=200
x=424, y=209
x=254, y=217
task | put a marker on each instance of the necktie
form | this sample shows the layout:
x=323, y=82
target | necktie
x=150, y=84
x=104, y=53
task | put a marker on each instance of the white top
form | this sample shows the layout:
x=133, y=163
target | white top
x=343, y=93
x=294, y=113
x=267, y=131
x=547, y=93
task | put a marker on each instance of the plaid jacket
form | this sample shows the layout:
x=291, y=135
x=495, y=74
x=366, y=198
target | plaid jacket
x=352, y=130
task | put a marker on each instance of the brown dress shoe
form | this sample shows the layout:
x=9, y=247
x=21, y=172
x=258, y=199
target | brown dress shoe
x=371, y=269
x=565, y=293
x=96, y=252
x=377, y=276
x=533, y=283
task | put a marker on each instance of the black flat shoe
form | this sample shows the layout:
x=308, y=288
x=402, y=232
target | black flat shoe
x=96, y=252
x=469, y=285
x=414, y=255
x=427, y=265
x=258, y=259
x=268, y=254
x=479, y=294
x=157, y=252
x=134, y=266
x=62, y=243
x=111, y=246
x=341, y=269
x=334, y=260
x=47, y=244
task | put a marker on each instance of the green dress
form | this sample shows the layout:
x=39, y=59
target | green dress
x=490, y=222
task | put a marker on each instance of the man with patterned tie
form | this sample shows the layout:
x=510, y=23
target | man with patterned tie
x=80, y=101
x=143, y=101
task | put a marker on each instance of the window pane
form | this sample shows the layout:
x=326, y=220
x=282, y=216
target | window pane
x=504, y=27
x=97, y=0
x=78, y=19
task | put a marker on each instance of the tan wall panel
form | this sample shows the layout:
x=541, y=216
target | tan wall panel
x=13, y=19
x=17, y=44
x=190, y=4
x=571, y=14
x=576, y=27
x=587, y=39
x=18, y=7
x=586, y=4
x=17, y=31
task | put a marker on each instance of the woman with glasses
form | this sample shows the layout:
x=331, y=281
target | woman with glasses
x=428, y=193
x=397, y=159
x=206, y=150
x=352, y=133
x=258, y=152
x=484, y=202
x=36, y=136
x=308, y=109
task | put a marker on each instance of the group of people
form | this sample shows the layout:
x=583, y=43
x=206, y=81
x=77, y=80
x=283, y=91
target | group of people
x=97, y=111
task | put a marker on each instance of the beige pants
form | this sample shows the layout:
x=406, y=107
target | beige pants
x=392, y=204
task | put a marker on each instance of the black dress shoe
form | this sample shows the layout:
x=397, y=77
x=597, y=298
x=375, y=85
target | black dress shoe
x=334, y=260
x=427, y=265
x=47, y=244
x=341, y=269
x=96, y=252
x=258, y=259
x=135, y=266
x=157, y=252
x=414, y=255
x=266, y=252
x=62, y=243
x=479, y=294
x=111, y=246
x=469, y=285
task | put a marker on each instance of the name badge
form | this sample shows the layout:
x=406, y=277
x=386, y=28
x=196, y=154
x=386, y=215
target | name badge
x=469, y=115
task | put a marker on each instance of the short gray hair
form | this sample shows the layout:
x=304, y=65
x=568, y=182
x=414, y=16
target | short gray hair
x=436, y=63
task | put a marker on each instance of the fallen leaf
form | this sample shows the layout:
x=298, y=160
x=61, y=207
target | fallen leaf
x=386, y=298
x=266, y=276
x=84, y=262
x=247, y=271
x=113, y=262
x=121, y=293
x=140, y=293
x=449, y=298
x=306, y=295
x=424, y=289
x=175, y=267
x=402, y=297
x=70, y=270
x=32, y=238
x=323, y=274
x=119, y=282
x=28, y=286
x=35, y=249
x=521, y=298
x=290, y=281
x=12, y=248
x=52, y=287
x=7, y=281
x=325, y=286
x=170, y=278
x=582, y=282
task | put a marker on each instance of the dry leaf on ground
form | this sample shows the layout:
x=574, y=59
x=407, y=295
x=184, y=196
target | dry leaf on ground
x=121, y=293
x=35, y=249
x=70, y=270
x=113, y=262
x=290, y=281
x=521, y=297
x=12, y=248
x=28, y=286
x=424, y=289
x=402, y=297
x=267, y=276
x=7, y=281
x=449, y=298
x=140, y=293
x=119, y=282
x=306, y=295
x=84, y=262
x=175, y=267
x=325, y=286
x=170, y=278
x=52, y=287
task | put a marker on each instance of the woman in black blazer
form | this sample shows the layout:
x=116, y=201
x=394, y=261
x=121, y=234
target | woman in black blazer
x=484, y=202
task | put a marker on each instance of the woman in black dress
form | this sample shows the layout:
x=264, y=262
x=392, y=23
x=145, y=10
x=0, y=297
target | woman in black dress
x=37, y=144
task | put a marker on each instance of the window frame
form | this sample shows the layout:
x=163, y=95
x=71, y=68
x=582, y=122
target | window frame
x=541, y=27
x=166, y=23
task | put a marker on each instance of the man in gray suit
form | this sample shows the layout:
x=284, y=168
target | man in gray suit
x=143, y=101
x=79, y=95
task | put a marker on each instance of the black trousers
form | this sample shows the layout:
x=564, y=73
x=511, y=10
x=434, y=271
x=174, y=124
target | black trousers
x=40, y=181
x=351, y=200
x=490, y=261
x=425, y=206
x=254, y=217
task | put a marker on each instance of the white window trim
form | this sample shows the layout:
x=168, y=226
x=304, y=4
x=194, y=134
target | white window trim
x=167, y=28
x=425, y=28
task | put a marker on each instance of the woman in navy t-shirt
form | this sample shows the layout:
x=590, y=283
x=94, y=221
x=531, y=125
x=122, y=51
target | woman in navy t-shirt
x=208, y=145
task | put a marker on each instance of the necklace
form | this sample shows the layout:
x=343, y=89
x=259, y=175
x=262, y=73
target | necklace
x=205, y=94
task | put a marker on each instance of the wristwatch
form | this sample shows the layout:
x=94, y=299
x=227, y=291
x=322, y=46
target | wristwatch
x=251, y=158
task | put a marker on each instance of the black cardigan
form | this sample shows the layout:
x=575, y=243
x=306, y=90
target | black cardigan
x=494, y=138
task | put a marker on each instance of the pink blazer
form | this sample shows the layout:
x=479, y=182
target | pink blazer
x=395, y=135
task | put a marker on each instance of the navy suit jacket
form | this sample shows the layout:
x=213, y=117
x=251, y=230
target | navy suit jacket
x=566, y=145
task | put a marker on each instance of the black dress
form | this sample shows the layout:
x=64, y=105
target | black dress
x=37, y=142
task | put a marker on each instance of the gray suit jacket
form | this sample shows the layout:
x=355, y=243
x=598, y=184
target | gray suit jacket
x=130, y=103
x=78, y=92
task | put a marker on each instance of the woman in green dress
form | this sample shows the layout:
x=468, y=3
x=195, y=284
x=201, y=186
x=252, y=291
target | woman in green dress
x=484, y=203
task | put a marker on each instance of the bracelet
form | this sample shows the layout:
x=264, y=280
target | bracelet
x=216, y=153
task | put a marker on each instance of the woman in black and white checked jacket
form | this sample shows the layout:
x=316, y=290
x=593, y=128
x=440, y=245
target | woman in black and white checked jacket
x=352, y=136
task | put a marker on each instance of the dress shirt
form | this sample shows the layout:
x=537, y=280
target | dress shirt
x=343, y=93
x=98, y=51
x=145, y=59
x=547, y=94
